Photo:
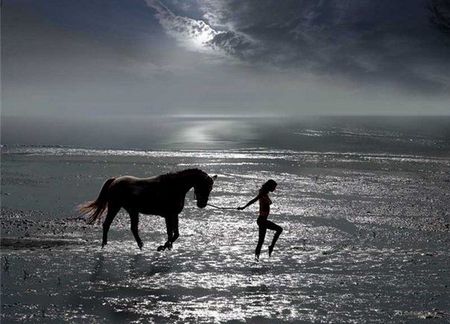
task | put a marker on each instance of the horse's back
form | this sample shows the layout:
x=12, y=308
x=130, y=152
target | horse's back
x=131, y=179
x=135, y=185
x=141, y=194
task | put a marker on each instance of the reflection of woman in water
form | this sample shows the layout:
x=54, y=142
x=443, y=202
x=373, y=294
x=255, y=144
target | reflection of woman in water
x=264, y=209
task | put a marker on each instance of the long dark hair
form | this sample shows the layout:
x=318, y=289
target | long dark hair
x=267, y=186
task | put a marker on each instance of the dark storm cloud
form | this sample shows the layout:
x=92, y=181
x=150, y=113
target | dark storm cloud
x=365, y=41
x=440, y=14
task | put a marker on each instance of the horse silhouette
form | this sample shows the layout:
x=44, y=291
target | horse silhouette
x=162, y=195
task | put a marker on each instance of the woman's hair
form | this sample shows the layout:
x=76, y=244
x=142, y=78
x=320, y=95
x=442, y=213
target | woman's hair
x=266, y=187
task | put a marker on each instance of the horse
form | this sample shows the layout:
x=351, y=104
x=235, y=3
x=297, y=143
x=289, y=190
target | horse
x=161, y=195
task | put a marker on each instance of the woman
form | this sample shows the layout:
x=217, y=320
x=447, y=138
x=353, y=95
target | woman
x=264, y=209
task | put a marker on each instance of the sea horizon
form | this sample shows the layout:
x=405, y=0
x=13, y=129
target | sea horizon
x=376, y=134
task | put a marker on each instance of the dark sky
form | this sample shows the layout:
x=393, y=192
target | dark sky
x=186, y=57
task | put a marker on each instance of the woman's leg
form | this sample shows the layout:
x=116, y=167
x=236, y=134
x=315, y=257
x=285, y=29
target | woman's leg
x=262, y=235
x=278, y=230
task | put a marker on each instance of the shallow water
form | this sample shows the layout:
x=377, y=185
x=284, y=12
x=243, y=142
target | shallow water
x=366, y=239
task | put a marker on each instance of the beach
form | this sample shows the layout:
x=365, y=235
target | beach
x=366, y=238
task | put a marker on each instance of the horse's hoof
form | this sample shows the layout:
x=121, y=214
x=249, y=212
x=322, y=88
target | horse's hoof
x=103, y=245
x=161, y=248
x=140, y=245
x=270, y=250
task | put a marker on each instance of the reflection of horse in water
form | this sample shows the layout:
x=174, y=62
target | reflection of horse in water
x=162, y=195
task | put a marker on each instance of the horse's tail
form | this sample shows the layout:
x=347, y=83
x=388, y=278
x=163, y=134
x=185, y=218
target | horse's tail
x=94, y=209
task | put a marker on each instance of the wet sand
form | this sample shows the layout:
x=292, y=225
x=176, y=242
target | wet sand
x=366, y=239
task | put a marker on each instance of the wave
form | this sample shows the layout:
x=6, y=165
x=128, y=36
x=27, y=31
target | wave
x=237, y=154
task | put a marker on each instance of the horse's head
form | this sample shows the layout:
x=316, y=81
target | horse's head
x=202, y=190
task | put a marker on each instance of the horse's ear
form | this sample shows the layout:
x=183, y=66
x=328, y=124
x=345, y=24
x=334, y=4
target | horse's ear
x=214, y=177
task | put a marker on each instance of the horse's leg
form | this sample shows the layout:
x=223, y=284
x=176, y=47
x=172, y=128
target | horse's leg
x=168, y=244
x=112, y=212
x=175, y=233
x=134, y=217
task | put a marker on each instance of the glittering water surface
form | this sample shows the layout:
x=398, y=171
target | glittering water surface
x=366, y=239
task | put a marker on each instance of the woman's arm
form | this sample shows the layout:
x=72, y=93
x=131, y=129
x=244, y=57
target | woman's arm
x=249, y=203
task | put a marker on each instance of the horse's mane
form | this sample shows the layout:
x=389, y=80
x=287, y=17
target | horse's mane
x=181, y=174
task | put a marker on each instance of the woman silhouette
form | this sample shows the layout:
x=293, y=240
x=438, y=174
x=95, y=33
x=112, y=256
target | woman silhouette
x=264, y=209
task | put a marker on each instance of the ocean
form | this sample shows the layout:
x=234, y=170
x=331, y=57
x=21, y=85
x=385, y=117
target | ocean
x=363, y=201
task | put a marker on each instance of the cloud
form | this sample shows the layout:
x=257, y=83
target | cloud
x=197, y=35
x=192, y=33
x=362, y=41
x=440, y=14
